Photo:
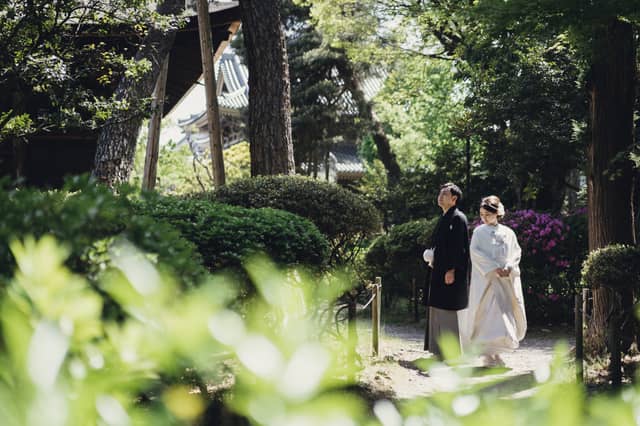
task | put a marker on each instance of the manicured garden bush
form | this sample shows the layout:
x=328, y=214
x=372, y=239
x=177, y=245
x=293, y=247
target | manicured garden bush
x=616, y=266
x=87, y=218
x=227, y=235
x=397, y=257
x=344, y=217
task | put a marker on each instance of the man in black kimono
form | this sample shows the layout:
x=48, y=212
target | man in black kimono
x=449, y=284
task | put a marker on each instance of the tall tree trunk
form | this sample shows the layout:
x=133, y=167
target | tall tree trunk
x=117, y=141
x=271, y=145
x=385, y=154
x=610, y=173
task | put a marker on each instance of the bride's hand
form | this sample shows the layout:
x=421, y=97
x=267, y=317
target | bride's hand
x=503, y=272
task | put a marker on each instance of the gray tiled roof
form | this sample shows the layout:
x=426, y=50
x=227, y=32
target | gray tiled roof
x=347, y=160
x=235, y=94
x=235, y=98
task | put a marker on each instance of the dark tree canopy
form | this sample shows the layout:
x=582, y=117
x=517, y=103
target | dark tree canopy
x=54, y=69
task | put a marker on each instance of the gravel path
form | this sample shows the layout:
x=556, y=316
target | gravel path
x=394, y=374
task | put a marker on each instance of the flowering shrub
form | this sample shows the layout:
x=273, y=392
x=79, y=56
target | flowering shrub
x=540, y=235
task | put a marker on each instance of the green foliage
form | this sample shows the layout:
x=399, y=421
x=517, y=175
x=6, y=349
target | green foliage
x=226, y=235
x=616, y=266
x=322, y=98
x=370, y=31
x=416, y=194
x=525, y=108
x=514, y=97
x=63, y=365
x=88, y=219
x=397, y=256
x=344, y=217
x=58, y=65
x=580, y=22
x=418, y=104
x=575, y=246
x=237, y=162
x=61, y=359
x=181, y=172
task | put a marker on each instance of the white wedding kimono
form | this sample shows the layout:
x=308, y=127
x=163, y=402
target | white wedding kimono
x=495, y=319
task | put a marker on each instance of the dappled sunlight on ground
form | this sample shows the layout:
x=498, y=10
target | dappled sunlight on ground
x=394, y=372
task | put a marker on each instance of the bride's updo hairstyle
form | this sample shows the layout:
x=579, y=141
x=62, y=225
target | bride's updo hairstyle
x=492, y=204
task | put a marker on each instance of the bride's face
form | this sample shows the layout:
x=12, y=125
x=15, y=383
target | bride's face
x=488, y=218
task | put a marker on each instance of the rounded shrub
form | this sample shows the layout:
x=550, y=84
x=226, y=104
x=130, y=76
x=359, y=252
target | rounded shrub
x=616, y=266
x=226, y=235
x=344, y=217
x=397, y=256
x=87, y=218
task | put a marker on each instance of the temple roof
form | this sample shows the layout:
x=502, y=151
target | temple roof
x=234, y=97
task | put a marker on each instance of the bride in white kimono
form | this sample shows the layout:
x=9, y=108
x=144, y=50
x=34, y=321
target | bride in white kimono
x=495, y=320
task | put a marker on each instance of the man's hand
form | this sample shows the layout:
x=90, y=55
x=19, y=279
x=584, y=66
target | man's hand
x=450, y=277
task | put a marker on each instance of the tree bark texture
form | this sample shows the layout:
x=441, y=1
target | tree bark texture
x=271, y=145
x=610, y=172
x=385, y=154
x=116, y=144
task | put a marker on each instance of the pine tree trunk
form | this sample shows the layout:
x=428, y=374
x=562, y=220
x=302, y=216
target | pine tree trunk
x=116, y=144
x=385, y=154
x=610, y=173
x=271, y=145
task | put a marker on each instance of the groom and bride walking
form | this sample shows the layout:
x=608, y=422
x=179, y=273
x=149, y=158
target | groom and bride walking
x=485, y=313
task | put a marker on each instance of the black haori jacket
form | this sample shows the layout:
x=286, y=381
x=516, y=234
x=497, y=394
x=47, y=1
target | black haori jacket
x=450, y=240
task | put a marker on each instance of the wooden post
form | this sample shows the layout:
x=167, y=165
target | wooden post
x=375, y=316
x=616, y=316
x=578, y=310
x=213, y=113
x=414, y=297
x=352, y=338
x=615, y=364
x=153, y=140
x=468, y=171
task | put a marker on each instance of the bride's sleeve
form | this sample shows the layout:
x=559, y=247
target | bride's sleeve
x=479, y=253
x=514, y=254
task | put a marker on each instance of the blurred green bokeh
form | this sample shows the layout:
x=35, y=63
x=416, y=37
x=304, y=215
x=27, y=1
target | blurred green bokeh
x=63, y=363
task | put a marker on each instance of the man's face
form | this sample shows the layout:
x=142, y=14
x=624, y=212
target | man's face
x=445, y=199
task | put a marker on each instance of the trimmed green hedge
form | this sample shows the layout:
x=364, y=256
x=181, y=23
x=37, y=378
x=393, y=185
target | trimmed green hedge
x=225, y=235
x=87, y=218
x=397, y=256
x=616, y=266
x=344, y=217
